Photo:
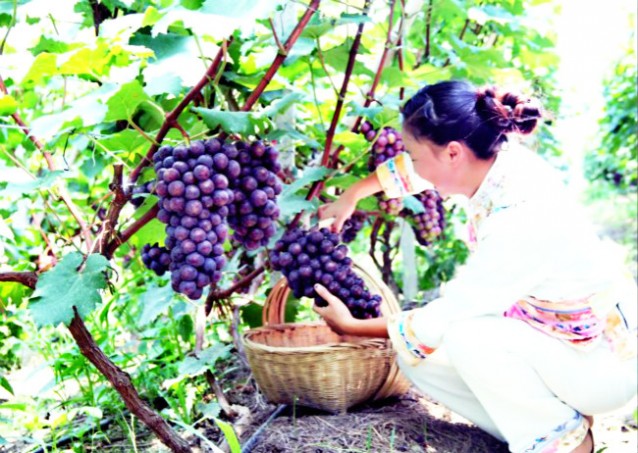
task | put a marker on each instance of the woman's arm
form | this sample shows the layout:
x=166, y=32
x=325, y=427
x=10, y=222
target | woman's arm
x=344, y=206
x=338, y=317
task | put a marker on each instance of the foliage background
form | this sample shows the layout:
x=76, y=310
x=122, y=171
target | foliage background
x=95, y=95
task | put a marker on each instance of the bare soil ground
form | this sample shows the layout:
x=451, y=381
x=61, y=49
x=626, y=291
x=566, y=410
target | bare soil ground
x=411, y=423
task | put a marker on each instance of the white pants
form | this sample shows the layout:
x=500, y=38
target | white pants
x=518, y=383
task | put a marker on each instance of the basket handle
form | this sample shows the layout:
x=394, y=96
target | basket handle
x=274, y=311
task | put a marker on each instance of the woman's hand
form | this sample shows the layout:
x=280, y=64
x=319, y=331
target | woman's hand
x=339, y=210
x=336, y=314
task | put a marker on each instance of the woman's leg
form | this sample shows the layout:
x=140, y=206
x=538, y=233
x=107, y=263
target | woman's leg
x=437, y=378
x=533, y=386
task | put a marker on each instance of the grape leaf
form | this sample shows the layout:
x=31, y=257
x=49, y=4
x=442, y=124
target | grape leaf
x=193, y=366
x=243, y=123
x=44, y=65
x=154, y=301
x=122, y=105
x=310, y=175
x=291, y=204
x=65, y=287
x=5, y=384
x=17, y=189
x=414, y=205
x=8, y=105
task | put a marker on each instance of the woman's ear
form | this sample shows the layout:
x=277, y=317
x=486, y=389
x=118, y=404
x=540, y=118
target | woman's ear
x=454, y=152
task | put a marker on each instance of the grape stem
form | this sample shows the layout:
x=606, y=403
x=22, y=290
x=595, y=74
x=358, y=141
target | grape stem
x=217, y=295
x=115, y=207
x=130, y=231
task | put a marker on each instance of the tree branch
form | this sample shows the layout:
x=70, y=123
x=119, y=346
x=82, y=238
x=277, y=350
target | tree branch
x=115, y=208
x=171, y=118
x=121, y=381
x=25, y=278
x=130, y=231
x=377, y=75
x=344, y=86
x=279, y=59
x=214, y=296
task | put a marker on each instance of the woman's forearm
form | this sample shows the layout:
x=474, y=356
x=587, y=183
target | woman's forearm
x=364, y=187
x=377, y=327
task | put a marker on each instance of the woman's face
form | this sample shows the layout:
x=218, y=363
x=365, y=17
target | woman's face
x=429, y=162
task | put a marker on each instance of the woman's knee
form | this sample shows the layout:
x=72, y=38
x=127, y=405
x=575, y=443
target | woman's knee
x=468, y=336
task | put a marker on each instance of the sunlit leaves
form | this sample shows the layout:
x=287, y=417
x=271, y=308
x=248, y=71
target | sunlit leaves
x=123, y=104
x=8, y=104
x=245, y=123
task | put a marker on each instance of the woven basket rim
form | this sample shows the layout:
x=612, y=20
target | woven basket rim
x=364, y=342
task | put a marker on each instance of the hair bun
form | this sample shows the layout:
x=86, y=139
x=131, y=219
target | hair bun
x=507, y=111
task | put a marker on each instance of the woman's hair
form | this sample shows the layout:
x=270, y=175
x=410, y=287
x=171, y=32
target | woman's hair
x=458, y=111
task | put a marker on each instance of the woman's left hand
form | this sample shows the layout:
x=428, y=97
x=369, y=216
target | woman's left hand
x=336, y=314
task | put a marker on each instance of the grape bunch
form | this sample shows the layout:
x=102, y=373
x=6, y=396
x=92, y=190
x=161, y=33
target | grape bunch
x=352, y=226
x=428, y=225
x=194, y=193
x=307, y=257
x=254, y=210
x=156, y=258
x=141, y=189
x=387, y=144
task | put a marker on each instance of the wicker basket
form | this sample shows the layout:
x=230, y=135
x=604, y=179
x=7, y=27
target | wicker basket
x=311, y=365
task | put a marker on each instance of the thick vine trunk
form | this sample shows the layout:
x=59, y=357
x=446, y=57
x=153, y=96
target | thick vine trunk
x=122, y=383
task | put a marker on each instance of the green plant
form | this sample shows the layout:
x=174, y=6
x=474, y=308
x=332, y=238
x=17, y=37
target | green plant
x=105, y=84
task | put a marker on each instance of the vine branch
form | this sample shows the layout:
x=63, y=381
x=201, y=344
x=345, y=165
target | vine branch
x=171, y=118
x=121, y=381
x=130, y=231
x=26, y=278
x=217, y=295
x=279, y=59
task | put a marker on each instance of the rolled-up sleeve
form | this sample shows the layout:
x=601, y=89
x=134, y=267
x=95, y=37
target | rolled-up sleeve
x=398, y=178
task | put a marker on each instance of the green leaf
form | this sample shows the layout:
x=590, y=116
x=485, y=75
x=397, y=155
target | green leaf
x=44, y=65
x=293, y=204
x=154, y=302
x=251, y=315
x=230, y=435
x=123, y=104
x=151, y=16
x=243, y=123
x=6, y=6
x=185, y=327
x=413, y=204
x=310, y=175
x=209, y=410
x=278, y=134
x=318, y=26
x=282, y=104
x=8, y=105
x=66, y=287
x=193, y=366
x=351, y=139
x=342, y=181
x=5, y=384
x=45, y=182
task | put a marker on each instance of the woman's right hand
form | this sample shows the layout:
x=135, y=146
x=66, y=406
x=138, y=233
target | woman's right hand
x=339, y=210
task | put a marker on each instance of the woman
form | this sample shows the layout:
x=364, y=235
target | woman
x=530, y=339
